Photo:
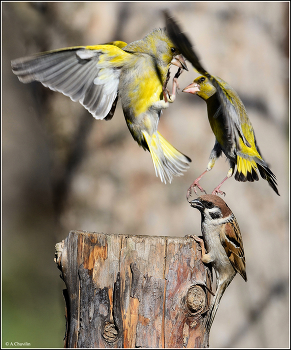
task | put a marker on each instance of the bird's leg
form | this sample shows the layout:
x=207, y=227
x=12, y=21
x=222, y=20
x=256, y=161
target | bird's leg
x=201, y=243
x=206, y=258
x=197, y=239
x=196, y=184
x=217, y=188
x=172, y=96
x=165, y=95
x=165, y=90
x=215, y=153
x=175, y=87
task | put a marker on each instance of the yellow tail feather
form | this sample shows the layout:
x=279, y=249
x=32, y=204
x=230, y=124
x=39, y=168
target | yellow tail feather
x=167, y=160
x=246, y=169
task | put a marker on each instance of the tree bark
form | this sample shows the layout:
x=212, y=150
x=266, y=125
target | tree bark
x=133, y=291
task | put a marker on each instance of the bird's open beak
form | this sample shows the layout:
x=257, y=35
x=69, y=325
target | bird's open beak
x=196, y=203
x=179, y=61
x=192, y=88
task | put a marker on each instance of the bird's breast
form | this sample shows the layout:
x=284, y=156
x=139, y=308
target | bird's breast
x=215, y=249
x=140, y=87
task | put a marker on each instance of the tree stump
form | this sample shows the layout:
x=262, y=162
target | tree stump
x=133, y=291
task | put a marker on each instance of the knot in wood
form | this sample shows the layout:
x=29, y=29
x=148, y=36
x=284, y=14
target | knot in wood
x=196, y=299
x=110, y=332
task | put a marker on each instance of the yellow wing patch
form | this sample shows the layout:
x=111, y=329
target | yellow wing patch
x=249, y=135
x=111, y=55
x=120, y=44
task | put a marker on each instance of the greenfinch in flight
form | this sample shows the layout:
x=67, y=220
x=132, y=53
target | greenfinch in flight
x=98, y=75
x=234, y=134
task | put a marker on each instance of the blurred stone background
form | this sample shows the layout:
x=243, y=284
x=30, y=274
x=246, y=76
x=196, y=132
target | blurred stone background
x=63, y=170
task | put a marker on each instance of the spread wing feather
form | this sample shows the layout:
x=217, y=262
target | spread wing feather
x=73, y=72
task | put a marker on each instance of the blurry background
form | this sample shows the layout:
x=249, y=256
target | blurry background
x=63, y=170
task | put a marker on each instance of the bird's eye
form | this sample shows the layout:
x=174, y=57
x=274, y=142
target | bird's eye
x=202, y=79
x=173, y=49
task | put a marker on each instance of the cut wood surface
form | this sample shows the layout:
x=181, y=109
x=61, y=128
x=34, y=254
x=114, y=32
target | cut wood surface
x=133, y=291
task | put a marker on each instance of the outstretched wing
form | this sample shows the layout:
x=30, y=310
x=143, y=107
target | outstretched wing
x=85, y=73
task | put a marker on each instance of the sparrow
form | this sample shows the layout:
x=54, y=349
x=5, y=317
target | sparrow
x=228, y=118
x=98, y=75
x=221, y=246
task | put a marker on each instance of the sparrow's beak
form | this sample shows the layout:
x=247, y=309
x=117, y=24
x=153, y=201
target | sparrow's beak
x=179, y=61
x=196, y=203
x=192, y=88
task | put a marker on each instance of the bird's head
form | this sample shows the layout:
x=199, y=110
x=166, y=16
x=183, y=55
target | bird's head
x=158, y=45
x=211, y=207
x=165, y=50
x=202, y=87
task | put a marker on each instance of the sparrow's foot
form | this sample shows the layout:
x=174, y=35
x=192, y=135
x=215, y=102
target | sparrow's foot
x=204, y=257
x=201, y=243
x=197, y=239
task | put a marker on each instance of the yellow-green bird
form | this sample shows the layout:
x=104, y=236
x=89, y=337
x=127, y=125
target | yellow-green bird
x=234, y=134
x=97, y=75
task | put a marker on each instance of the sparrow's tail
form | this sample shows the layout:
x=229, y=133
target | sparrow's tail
x=168, y=161
x=215, y=303
x=247, y=171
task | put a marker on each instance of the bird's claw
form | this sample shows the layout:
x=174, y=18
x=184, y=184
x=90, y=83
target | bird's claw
x=194, y=237
x=193, y=187
x=197, y=239
x=217, y=191
x=167, y=96
x=171, y=98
